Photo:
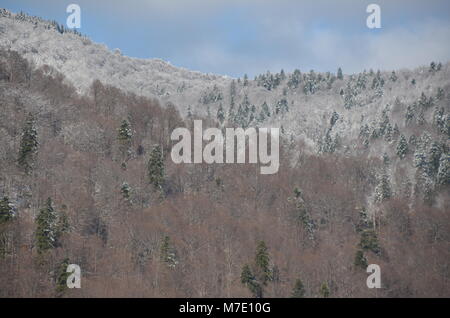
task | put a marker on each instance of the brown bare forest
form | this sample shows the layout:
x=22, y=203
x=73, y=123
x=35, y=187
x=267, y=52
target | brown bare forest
x=193, y=236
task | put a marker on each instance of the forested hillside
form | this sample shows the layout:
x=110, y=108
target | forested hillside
x=86, y=178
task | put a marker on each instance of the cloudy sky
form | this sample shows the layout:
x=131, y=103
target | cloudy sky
x=233, y=37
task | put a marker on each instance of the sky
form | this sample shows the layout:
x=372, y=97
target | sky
x=237, y=37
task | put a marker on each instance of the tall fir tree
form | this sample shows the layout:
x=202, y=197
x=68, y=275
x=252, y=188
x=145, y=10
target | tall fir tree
x=299, y=290
x=249, y=281
x=156, y=168
x=61, y=277
x=443, y=176
x=168, y=253
x=262, y=264
x=324, y=290
x=28, y=145
x=383, y=190
x=6, y=210
x=402, y=147
x=46, y=231
x=220, y=114
x=339, y=75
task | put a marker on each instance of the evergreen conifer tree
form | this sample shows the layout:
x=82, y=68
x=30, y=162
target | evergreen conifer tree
x=46, y=231
x=299, y=290
x=402, y=147
x=6, y=210
x=28, y=145
x=324, y=290
x=156, y=168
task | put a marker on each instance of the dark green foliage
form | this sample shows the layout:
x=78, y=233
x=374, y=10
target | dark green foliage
x=334, y=119
x=249, y=280
x=369, y=241
x=125, y=189
x=393, y=76
x=46, y=231
x=299, y=290
x=28, y=145
x=339, y=75
x=156, y=168
x=125, y=132
x=262, y=264
x=61, y=277
x=168, y=253
x=6, y=210
x=360, y=260
x=324, y=290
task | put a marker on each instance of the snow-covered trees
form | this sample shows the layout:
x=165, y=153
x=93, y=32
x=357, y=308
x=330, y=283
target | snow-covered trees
x=433, y=159
x=402, y=147
x=125, y=132
x=211, y=95
x=339, y=75
x=6, y=210
x=443, y=175
x=124, y=136
x=220, y=114
x=126, y=190
x=28, y=144
x=393, y=77
x=383, y=190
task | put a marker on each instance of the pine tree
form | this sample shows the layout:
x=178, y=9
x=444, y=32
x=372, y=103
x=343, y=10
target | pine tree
x=125, y=189
x=220, y=114
x=383, y=190
x=393, y=76
x=434, y=156
x=28, y=145
x=245, y=82
x=299, y=290
x=339, y=75
x=124, y=136
x=334, y=118
x=360, y=259
x=125, y=132
x=6, y=210
x=61, y=277
x=168, y=253
x=369, y=241
x=46, y=231
x=295, y=79
x=443, y=175
x=324, y=290
x=262, y=262
x=156, y=168
x=249, y=281
x=402, y=147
